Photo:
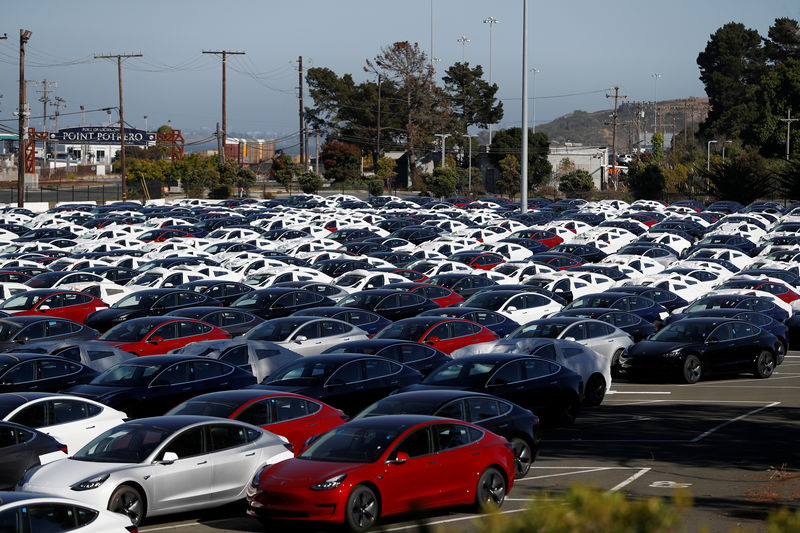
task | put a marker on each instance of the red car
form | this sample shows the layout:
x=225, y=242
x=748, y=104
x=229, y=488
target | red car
x=162, y=234
x=159, y=334
x=385, y=465
x=444, y=334
x=546, y=237
x=479, y=260
x=72, y=305
x=293, y=416
x=442, y=296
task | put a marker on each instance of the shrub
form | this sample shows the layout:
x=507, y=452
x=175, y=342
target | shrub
x=220, y=191
x=375, y=187
x=576, y=181
x=310, y=182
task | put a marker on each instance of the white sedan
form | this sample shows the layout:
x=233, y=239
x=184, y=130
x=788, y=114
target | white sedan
x=306, y=335
x=22, y=512
x=519, y=306
x=71, y=420
x=161, y=465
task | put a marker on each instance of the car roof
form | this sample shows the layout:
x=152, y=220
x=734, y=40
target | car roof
x=27, y=319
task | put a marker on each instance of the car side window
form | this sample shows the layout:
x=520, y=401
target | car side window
x=189, y=329
x=309, y=331
x=237, y=356
x=546, y=351
x=207, y=370
x=418, y=444
x=462, y=329
x=175, y=374
x=576, y=331
x=49, y=369
x=741, y=330
x=73, y=353
x=224, y=436
x=450, y=436
x=55, y=517
x=167, y=331
x=347, y=373
x=231, y=318
x=307, y=298
x=723, y=332
x=482, y=409
x=509, y=373
x=289, y=408
x=187, y=444
x=442, y=331
x=53, y=302
x=455, y=409
x=258, y=414
x=330, y=328
x=484, y=318
x=75, y=298
x=287, y=300
x=21, y=373
x=536, y=368
x=406, y=353
x=596, y=329
x=358, y=318
x=167, y=301
x=33, y=416
x=58, y=327
x=390, y=302
x=67, y=411
x=37, y=330
x=377, y=368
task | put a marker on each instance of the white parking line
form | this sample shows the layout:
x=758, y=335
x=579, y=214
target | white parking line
x=449, y=520
x=637, y=392
x=588, y=470
x=728, y=422
x=630, y=480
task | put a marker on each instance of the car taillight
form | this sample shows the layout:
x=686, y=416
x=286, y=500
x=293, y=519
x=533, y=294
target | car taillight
x=289, y=446
x=132, y=529
x=509, y=446
x=63, y=448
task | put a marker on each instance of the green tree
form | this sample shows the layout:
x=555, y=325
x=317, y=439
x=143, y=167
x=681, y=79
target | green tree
x=473, y=99
x=342, y=161
x=385, y=171
x=646, y=181
x=441, y=182
x=509, y=142
x=658, y=147
x=310, y=182
x=576, y=181
x=509, y=182
x=744, y=178
x=375, y=187
x=284, y=169
x=788, y=179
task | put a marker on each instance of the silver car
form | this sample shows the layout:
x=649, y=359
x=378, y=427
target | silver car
x=261, y=358
x=306, y=335
x=161, y=465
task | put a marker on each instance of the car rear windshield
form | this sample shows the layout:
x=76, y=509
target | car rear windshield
x=218, y=408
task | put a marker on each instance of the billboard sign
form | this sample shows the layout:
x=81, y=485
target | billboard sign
x=102, y=135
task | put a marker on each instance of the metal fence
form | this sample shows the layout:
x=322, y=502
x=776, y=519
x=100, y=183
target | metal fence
x=64, y=192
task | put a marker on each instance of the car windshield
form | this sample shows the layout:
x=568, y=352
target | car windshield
x=461, y=374
x=303, y=372
x=131, y=331
x=363, y=300
x=352, y=445
x=712, y=303
x=274, y=330
x=22, y=302
x=407, y=331
x=8, y=329
x=487, y=300
x=137, y=300
x=349, y=280
x=685, y=331
x=592, y=300
x=257, y=299
x=129, y=443
x=127, y=375
x=550, y=330
x=217, y=408
x=146, y=280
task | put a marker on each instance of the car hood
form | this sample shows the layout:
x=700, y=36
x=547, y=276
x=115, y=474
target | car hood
x=655, y=348
x=423, y=386
x=305, y=473
x=66, y=472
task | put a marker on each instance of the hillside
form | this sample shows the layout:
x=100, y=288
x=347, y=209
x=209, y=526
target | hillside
x=594, y=129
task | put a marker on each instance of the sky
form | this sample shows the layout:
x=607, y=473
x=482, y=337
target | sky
x=580, y=47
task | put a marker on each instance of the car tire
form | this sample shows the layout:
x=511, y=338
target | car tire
x=692, y=369
x=765, y=364
x=615, y=368
x=569, y=411
x=362, y=509
x=523, y=457
x=129, y=501
x=491, y=490
x=780, y=352
x=595, y=390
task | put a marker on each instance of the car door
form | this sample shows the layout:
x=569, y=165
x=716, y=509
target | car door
x=163, y=339
x=186, y=480
x=421, y=471
x=70, y=422
x=345, y=387
x=720, y=349
x=453, y=440
x=542, y=388
x=75, y=306
x=168, y=388
x=745, y=345
x=233, y=461
x=333, y=332
x=509, y=382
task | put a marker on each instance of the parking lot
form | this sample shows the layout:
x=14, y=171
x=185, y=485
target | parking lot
x=731, y=442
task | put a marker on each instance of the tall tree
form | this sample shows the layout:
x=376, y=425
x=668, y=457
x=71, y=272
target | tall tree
x=472, y=98
x=509, y=142
x=783, y=40
x=743, y=178
x=342, y=161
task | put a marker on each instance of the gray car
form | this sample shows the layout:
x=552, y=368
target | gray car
x=261, y=358
x=306, y=335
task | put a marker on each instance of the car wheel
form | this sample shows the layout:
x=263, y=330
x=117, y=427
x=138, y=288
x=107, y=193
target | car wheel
x=361, y=512
x=570, y=410
x=692, y=369
x=129, y=501
x=765, y=364
x=523, y=457
x=595, y=390
x=615, y=369
x=780, y=352
x=491, y=489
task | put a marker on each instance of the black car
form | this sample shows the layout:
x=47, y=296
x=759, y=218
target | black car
x=20, y=449
x=234, y=321
x=743, y=302
x=417, y=234
x=150, y=386
x=24, y=372
x=276, y=302
x=693, y=347
x=500, y=324
x=149, y=302
x=420, y=357
x=624, y=301
x=349, y=382
x=346, y=235
x=588, y=252
x=330, y=290
x=550, y=390
x=119, y=275
x=370, y=322
x=389, y=303
x=518, y=425
x=664, y=297
x=336, y=267
x=20, y=330
x=630, y=323
x=45, y=233
x=464, y=284
x=225, y=292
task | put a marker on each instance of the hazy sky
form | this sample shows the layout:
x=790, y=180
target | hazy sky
x=580, y=46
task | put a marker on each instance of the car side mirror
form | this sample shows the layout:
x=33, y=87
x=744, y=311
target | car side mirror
x=169, y=458
x=335, y=383
x=159, y=383
x=300, y=338
x=43, y=308
x=712, y=340
x=569, y=339
x=155, y=340
x=400, y=458
x=511, y=308
x=431, y=340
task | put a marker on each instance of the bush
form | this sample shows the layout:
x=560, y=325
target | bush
x=310, y=182
x=576, y=181
x=646, y=181
x=442, y=182
x=375, y=187
x=220, y=191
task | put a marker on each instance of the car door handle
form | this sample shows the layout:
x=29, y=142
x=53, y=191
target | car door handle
x=202, y=462
x=431, y=463
x=90, y=427
x=251, y=454
x=186, y=388
x=553, y=382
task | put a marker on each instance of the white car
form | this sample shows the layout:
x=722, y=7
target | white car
x=22, y=512
x=359, y=280
x=519, y=306
x=107, y=291
x=161, y=465
x=71, y=420
x=306, y=335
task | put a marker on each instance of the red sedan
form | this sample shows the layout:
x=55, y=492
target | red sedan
x=546, y=237
x=444, y=334
x=386, y=465
x=293, y=416
x=442, y=296
x=479, y=260
x=72, y=305
x=162, y=234
x=159, y=334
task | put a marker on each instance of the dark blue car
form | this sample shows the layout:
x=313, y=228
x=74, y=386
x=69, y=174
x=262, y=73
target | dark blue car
x=500, y=324
x=420, y=357
x=370, y=322
x=645, y=307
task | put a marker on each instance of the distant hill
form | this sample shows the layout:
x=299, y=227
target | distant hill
x=594, y=129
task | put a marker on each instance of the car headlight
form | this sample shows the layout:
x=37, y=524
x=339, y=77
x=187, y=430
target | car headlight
x=91, y=483
x=673, y=353
x=331, y=483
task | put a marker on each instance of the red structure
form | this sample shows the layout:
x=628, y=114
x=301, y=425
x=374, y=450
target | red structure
x=30, y=149
x=175, y=139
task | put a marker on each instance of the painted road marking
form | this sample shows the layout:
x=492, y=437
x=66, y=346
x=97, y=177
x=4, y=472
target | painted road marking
x=630, y=480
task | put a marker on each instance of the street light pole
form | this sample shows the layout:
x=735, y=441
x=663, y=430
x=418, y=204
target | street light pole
x=708, y=155
x=463, y=40
x=491, y=21
x=655, y=101
x=443, y=136
x=523, y=192
x=723, y=150
x=145, y=123
x=534, y=71
x=469, y=162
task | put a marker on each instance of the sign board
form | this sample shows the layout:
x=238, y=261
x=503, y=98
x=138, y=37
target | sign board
x=102, y=135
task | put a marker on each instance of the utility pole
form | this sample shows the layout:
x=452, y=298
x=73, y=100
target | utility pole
x=469, y=162
x=378, y=136
x=224, y=54
x=491, y=21
x=219, y=145
x=24, y=37
x=119, y=58
x=46, y=86
x=788, y=120
x=443, y=136
x=463, y=40
x=523, y=189
x=316, y=158
x=60, y=102
x=302, y=117
x=616, y=96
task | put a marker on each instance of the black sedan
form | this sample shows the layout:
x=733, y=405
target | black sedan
x=349, y=382
x=39, y=372
x=693, y=347
x=624, y=301
x=234, y=321
x=21, y=448
x=663, y=297
x=389, y=303
x=149, y=302
x=464, y=284
x=519, y=426
x=743, y=302
x=630, y=323
x=276, y=302
x=19, y=330
x=420, y=357
x=149, y=386
x=550, y=390
x=226, y=292
x=370, y=322
x=500, y=324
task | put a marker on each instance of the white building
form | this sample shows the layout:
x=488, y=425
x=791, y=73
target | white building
x=592, y=159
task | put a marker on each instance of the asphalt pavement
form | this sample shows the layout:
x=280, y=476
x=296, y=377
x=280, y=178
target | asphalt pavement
x=731, y=442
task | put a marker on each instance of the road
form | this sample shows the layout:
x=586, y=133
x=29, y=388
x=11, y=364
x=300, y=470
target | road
x=732, y=443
